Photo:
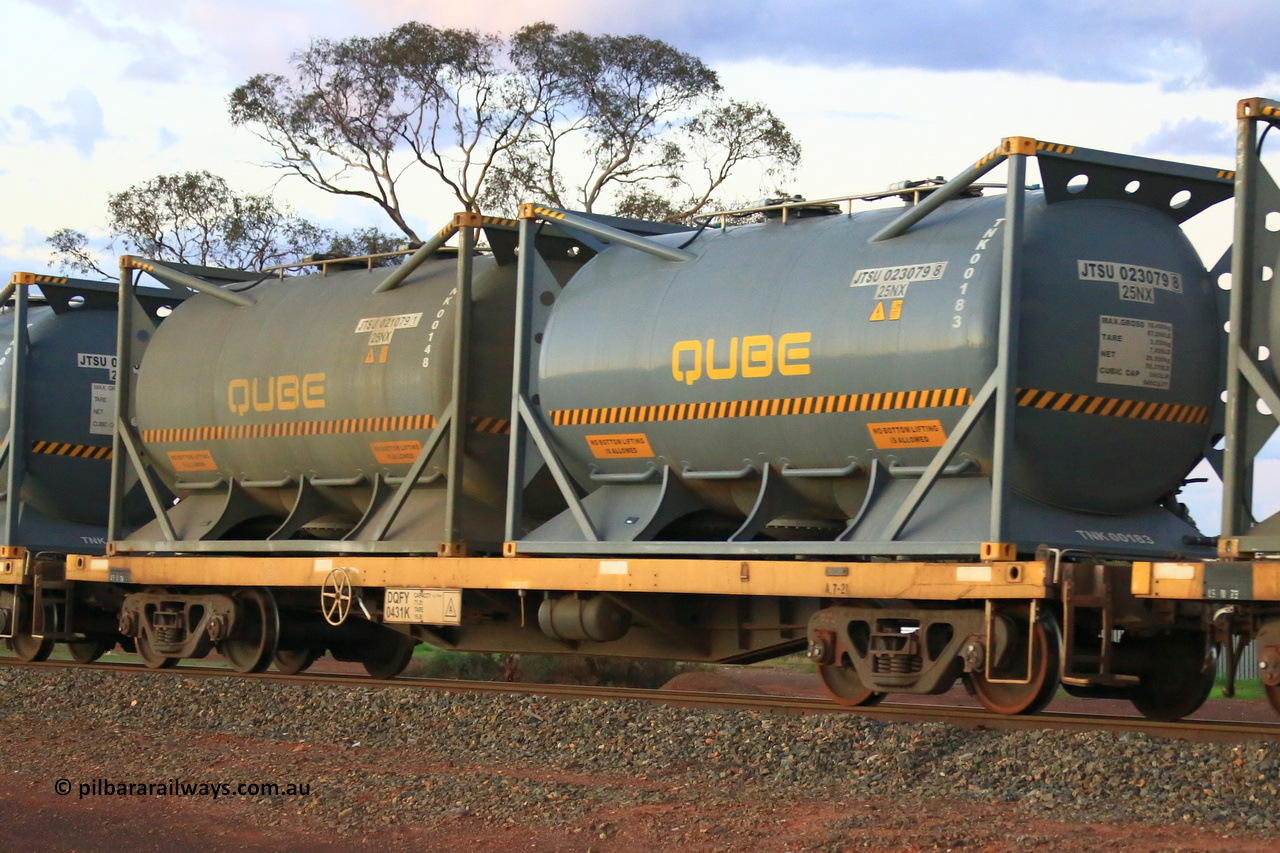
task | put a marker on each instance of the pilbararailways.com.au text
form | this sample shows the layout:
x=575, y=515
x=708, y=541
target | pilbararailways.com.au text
x=180, y=788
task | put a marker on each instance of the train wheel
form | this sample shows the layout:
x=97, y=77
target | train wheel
x=87, y=651
x=389, y=657
x=1181, y=678
x=29, y=648
x=1273, y=696
x=1034, y=695
x=294, y=661
x=152, y=658
x=1267, y=643
x=256, y=637
x=843, y=685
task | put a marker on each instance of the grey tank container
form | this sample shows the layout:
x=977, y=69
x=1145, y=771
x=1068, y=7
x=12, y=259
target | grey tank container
x=611, y=362
x=326, y=383
x=67, y=371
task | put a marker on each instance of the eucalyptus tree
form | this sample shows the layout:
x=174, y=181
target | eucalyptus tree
x=196, y=218
x=353, y=106
x=628, y=123
x=658, y=131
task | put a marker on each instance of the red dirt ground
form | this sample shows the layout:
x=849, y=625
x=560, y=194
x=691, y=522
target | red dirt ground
x=38, y=820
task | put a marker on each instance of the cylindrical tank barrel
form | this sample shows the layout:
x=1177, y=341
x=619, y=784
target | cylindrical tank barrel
x=805, y=347
x=327, y=380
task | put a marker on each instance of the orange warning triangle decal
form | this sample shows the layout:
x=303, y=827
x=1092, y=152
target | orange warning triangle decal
x=878, y=314
x=368, y=359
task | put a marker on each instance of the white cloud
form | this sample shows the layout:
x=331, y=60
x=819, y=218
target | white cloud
x=32, y=239
x=152, y=53
x=83, y=128
x=1176, y=44
x=847, y=90
x=1191, y=137
x=22, y=253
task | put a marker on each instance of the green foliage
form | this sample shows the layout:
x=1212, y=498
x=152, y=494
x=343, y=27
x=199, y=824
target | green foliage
x=599, y=671
x=659, y=133
x=351, y=103
x=1245, y=689
x=70, y=250
x=196, y=218
x=430, y=662
x=365, y=241
x=638, y=124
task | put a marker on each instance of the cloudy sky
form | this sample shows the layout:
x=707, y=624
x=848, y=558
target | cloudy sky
x=98, y=95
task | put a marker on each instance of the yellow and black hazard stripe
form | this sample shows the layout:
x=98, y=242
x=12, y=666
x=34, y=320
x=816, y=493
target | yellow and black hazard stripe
x=79, y=451
x=336, y=426
x=990, y=155
x=1054, y=147
x=34, y=278
x=339, y=426
x=1113, y=407
x=528, y=211
x=492, y=426
x=833, y=403
x=890, y=400
x=478, y=220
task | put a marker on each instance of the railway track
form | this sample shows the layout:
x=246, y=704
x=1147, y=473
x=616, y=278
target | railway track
x=1204, y=731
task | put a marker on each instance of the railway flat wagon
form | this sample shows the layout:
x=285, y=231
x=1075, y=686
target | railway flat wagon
x=935, y=441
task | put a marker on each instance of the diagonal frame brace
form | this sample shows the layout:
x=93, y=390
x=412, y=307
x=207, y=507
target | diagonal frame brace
x=1254, y=191
x=607, y=233
x=531, y=423
x=124, y=443
x=444, y=426
x=148, y=486
x=425, y=251
x=180, y=281
x=1259, y=383
x=999, y=389
x=952, y=188
x=942, y=457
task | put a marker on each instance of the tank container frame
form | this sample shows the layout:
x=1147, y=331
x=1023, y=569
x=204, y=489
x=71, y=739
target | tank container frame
x=1250, y=379
x=1059, y=164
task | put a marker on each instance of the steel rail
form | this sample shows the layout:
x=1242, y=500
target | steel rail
x=977, y=719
